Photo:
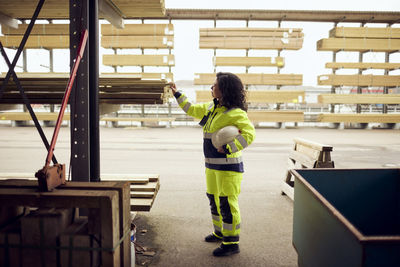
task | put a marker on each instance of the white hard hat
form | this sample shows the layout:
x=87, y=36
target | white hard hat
x=224, y=136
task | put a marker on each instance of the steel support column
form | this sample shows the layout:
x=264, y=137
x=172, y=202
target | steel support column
x=79, y=100
x=94, y=91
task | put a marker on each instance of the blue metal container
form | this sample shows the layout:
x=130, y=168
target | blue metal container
x=347, y=217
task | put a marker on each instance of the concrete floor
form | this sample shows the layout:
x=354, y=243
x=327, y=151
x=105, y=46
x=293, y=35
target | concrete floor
x=180, y=216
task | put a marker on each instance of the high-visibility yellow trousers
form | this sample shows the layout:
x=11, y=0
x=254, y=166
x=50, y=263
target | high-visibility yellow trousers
x=223, y=189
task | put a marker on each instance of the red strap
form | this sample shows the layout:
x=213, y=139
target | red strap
x=71, y=80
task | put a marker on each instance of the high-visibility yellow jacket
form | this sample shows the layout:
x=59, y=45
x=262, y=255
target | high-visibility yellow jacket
x=216, y=117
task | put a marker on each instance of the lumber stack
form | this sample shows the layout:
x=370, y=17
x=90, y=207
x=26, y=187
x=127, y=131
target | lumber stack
x=49, y=36
x=262, y=96
x=254, y=78
x=142, y=37
x=260, y=39
x=251, y=38
x=48, y=88
x=140, y=8
x=359, y=99
x=360, y=39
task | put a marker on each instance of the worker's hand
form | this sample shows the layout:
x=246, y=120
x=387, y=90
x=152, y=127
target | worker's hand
x=173, y=87
x=221, y=150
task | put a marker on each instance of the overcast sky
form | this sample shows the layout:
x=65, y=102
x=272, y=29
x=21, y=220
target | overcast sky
x=189, y=59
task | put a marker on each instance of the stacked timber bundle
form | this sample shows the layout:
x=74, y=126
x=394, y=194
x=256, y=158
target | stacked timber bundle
x=362, y=39
x=256, y=39
x=48, y=88
x=252, y=38
x=141, y=37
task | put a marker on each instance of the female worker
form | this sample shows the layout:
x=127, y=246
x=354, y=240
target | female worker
x=224, y=165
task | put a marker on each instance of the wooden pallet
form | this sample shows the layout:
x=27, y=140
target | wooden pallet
x=305, y=155
x=359, y=98
x=254, y=78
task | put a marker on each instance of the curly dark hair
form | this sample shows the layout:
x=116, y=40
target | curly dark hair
x=232, y=90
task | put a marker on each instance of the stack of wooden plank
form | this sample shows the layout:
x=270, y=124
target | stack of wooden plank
x=251, y=38
x=47, y=36
x=359, y=98
x=56, y=9
x=359, y=80
x=140, y=8
x=140, y=36
x=48, y=88
x=249, y=61
x=361, y=39
x=254, y=78
x=262, y=96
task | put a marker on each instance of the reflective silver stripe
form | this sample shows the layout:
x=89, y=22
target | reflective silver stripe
x=242, y=141
x=237, y=226
x=227, y=226
x=210, y=106
x=181, y=99
x=233, y=147
x=217, y=228
x=215, y=217
x=223, y=161
x=186, y=107
x=207, y=135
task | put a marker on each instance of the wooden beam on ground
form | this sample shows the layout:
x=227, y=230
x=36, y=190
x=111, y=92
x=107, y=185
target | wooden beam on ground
x=139, y=60
x=359, y=80
x=257, y=116
x=7, y=21
x=365, y=32
x=358, y=44
x=254, y=78
x=250, y=61
x=250, y=43
x=138, y=29
x=137, y=41
x=262, y=96
x=362, y=65
x=359, y=98
x=36, y=41
x=359, y=118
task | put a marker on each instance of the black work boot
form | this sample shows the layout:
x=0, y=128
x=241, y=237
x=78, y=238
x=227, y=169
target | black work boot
x=226, y=250
x=212, y=238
